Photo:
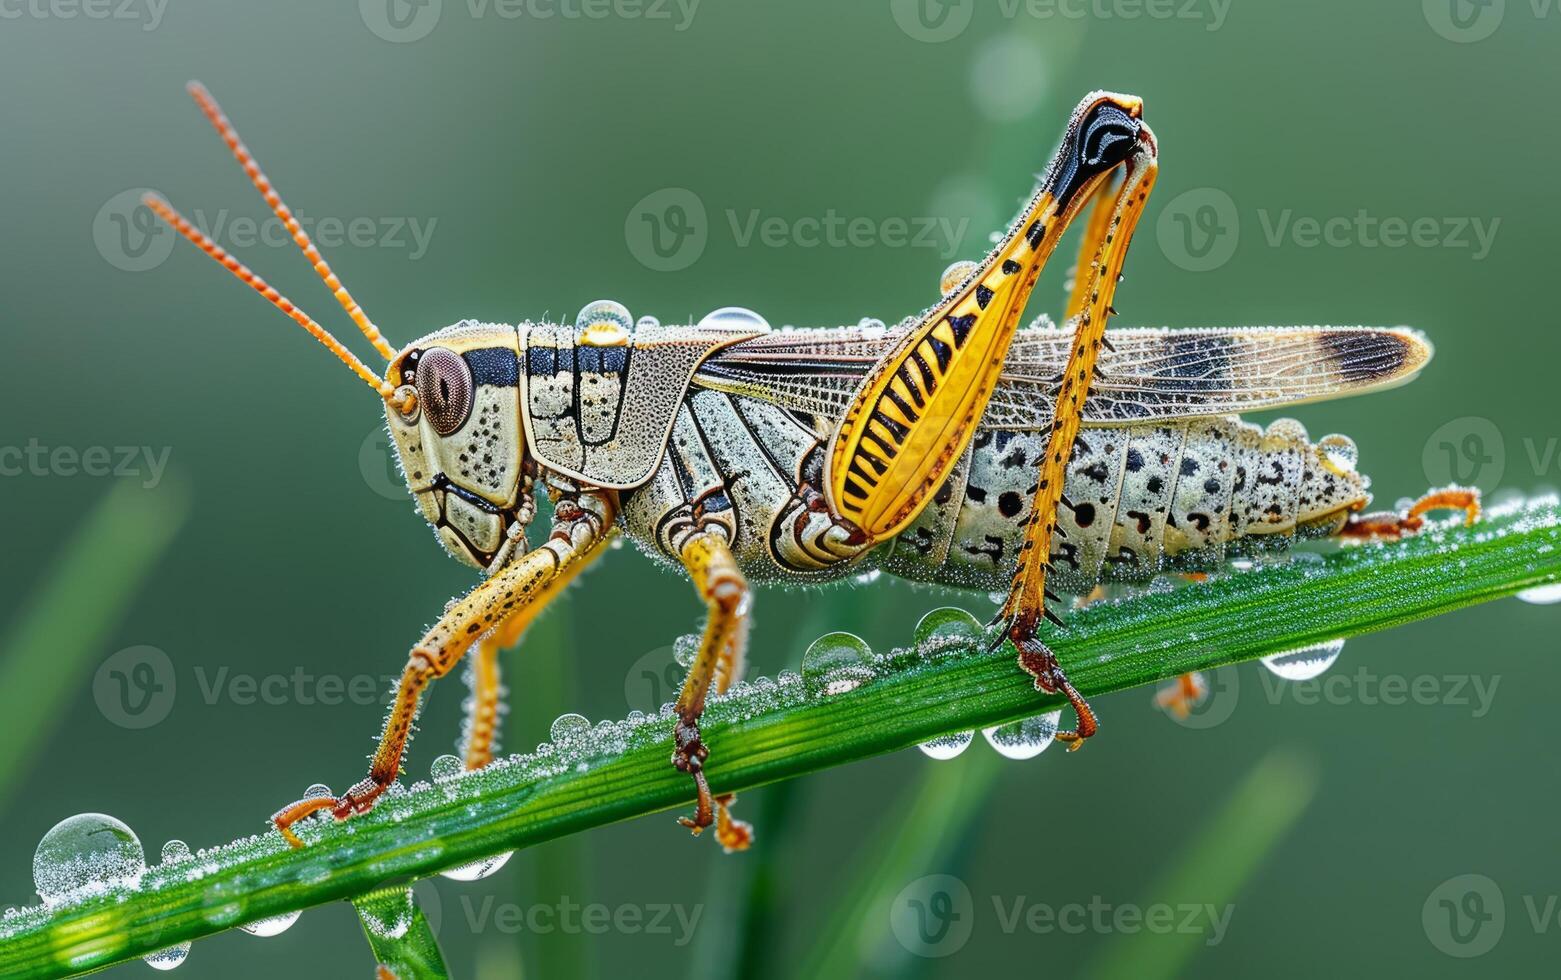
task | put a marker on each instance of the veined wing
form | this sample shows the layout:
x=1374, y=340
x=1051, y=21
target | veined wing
x=1146, y=375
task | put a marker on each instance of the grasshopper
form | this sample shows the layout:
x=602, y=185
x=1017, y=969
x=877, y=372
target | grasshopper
x=955, y=447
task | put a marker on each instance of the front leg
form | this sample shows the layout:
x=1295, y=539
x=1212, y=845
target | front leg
x=512, y=595
x=708, y=558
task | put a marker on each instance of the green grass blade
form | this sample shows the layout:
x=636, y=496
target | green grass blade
x=1213, y=866
x=76, y=603
x=763, y=734
x=400, y=936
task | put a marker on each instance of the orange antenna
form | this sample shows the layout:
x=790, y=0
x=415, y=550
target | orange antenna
x=180, y=224
x=219, y=121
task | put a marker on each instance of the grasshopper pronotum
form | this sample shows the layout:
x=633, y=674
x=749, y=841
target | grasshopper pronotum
x=954, y=447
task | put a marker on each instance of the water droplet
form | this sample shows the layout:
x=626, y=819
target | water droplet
x=734, y=318
x=645, y=323
x=175, y=851
x=956, y=274
x=167, y=959
x=684, y=649
x=388, y=917
x=604, y=323
x=1542, y=595
x=1340, y=453
x=1304, y=663
x=568, y=728
x=835, y=663
x=276, y=925
x=478, y=870
x=1024, y=739
x=870, y=323
x=445, y=767
x=945, y=629
x=1008, y=78
x=86, y=855
x=948, y=746
x=317, y=789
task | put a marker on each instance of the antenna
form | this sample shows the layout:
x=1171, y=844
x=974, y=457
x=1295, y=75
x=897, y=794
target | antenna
x=179, y=223
x=224, y=128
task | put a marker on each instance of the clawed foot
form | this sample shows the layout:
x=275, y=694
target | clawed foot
x=358, y=799
x=1390, y=526
x=1037, y=660
x=689, y=756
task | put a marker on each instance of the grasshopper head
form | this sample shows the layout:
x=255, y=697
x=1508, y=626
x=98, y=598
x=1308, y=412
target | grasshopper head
x=455, y=421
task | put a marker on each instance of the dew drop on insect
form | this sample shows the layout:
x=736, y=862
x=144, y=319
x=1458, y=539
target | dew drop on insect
x=317, y=789
x=569, y=728
x=175, y=851
x=478, y=870
x=945, y=629
x=734, y=318
x=1542, y=595
x=86, y=855
x=836, y=663
x=274, y=926
x=1026, y=738
x=948, y=746
x=604, y=323
x=684, y=648
x=1340, y=453
x=870, y=323
x=168, y=959
x=1304, y=663
x=955, y=274
x=445, y=767
x=645, y=323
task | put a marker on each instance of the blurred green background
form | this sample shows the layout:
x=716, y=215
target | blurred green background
x=530, y=151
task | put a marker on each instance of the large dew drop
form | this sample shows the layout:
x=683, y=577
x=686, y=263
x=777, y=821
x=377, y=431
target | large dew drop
x=604, y=323
x=478, y=870
x=836, y=663
x=948, y=746
x=1024, y=739
x=274, y=926
x=569, y=728
x=445, y=767
x=955, y=275
x=1304, y=663
x=86, y=855
x=734, y=318
x=1542, y=595
x=946, y=629
x=167, y=959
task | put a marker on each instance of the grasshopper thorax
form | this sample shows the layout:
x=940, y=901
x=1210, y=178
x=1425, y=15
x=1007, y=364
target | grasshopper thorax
x=455, y=422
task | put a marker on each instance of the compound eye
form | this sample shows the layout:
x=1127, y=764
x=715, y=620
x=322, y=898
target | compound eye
x=444, y=389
